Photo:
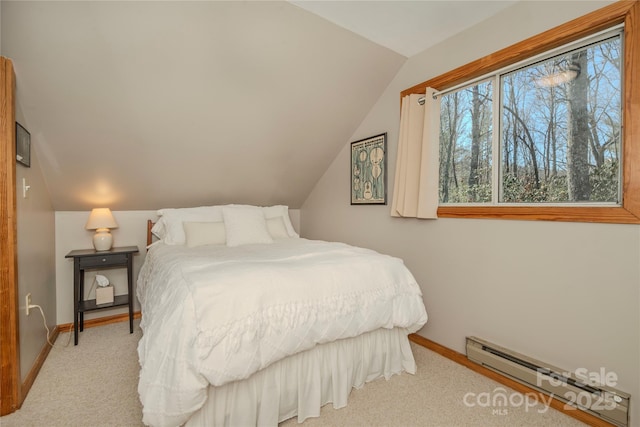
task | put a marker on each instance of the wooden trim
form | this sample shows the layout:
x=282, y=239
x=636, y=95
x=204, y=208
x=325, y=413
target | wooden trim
x=35, y=369
x=101, y=321
x=566, y=33
x=616, y=215
x=10, y=389
x=631, y=119
x=627, y=11
x=515, y=385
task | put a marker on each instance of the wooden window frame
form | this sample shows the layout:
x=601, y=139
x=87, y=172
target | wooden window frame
x=623, y=11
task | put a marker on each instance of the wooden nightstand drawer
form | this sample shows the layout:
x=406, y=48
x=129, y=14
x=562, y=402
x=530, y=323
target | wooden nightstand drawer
x=105, y=260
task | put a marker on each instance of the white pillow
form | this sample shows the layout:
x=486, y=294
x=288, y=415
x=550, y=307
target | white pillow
x=159, y=230
x=204, y=233
x=169, y=226
x=245, y=225
x=276, y=228
x=281, y=211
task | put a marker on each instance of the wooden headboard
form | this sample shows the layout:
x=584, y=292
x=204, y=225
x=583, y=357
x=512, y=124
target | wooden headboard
x=149, y=235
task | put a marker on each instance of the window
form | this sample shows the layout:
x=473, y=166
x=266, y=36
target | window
x=559, y=131
x=466, y=135
x=509, y=122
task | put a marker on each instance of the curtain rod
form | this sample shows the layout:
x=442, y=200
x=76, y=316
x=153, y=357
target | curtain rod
x=456, y=87
x=519, y=64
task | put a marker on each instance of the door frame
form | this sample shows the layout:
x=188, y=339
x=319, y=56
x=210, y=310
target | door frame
x=10, y=385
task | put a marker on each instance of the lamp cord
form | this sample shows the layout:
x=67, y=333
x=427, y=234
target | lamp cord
x=44, y=321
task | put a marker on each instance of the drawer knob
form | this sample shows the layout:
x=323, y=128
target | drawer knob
x=104, y=259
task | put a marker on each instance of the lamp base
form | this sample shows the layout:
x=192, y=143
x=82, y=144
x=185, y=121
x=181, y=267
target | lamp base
x=102, y=240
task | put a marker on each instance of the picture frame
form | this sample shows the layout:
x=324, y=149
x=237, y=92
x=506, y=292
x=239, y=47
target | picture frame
x=23, y=145
x=369, y=171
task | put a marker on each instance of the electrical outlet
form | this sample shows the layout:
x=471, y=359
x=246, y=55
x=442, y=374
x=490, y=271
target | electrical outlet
x=28, y=301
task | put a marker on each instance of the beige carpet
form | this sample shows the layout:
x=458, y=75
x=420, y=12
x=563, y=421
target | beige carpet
x=95, y=384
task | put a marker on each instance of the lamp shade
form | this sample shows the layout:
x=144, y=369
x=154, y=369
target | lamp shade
x=101, y=218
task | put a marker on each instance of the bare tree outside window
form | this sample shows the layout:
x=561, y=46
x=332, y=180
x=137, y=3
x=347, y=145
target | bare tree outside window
x=561, y=128
x=466, y=126
x=560, y=132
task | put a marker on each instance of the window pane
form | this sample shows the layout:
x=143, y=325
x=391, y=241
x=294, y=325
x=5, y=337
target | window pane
x=560, y=128
x=465, y=145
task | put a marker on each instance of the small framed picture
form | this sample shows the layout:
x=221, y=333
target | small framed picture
x=23, y=145
x=369, y=171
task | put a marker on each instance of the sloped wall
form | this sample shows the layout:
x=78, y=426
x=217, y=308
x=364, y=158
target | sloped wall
x=565, y=293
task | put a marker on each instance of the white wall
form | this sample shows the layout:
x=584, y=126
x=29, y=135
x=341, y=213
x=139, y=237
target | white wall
x=565, y=293
x=71, y=235
x=36, y=264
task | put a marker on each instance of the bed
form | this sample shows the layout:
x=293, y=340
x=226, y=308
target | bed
x=246, y=323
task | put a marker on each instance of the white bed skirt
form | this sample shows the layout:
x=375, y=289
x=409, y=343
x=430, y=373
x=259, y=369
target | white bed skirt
x=302, y=383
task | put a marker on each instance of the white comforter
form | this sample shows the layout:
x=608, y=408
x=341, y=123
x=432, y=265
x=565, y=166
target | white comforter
x=214, y=314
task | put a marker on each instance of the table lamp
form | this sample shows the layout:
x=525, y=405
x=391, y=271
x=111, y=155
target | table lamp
x=101, y=220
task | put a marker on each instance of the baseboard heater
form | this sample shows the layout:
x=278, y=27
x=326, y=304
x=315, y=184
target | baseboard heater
x=578, y=390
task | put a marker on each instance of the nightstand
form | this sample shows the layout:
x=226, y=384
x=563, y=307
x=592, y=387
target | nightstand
x=90, y=259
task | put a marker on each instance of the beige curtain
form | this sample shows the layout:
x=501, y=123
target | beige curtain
x=415, y=189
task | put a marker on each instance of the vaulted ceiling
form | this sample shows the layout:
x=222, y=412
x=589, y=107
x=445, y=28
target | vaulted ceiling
x=144, y=105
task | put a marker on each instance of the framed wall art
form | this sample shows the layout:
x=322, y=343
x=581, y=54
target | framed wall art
x=23, y=145
x=369, y=171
